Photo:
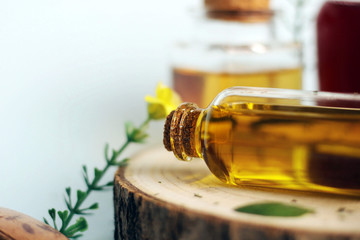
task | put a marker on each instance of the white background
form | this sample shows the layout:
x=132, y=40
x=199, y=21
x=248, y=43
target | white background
x=71, y=73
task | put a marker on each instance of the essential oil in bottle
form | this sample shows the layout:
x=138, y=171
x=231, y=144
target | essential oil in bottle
x=275, y=138
x=202, y=86
x=234, y=43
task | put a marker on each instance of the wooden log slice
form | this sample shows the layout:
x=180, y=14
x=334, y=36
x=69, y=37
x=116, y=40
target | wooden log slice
x=159, y=197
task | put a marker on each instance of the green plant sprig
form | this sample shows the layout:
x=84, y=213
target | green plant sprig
x=73, y=231
x=158, y=108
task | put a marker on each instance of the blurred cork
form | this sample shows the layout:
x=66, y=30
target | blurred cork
x=239, y=10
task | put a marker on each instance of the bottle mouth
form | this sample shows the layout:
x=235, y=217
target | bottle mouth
x=179, y=131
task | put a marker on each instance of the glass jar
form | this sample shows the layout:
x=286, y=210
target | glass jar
x=274, y=138
x=233, y=46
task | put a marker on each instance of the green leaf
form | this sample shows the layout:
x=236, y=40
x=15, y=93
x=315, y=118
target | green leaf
x=85, y=172
x=94, y=206
x=140, y=136
x=52, y=213
x=109, y=184
x=103, y=187
x=121, y=163
x=85, y=210
x=98, y=188
x=80, y=226
x=98, y=173
x=137, y=135
x=68, y=191
x=86, y=176
x=80, y=196
x=68, y=204
x=76, y=236
x=46, y=221
x=129, y=129
x=63, y=215
x=106, y=151
x=274, y=209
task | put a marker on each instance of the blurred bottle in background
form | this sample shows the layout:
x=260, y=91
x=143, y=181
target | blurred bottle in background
x=338, y=44
x=234, y=44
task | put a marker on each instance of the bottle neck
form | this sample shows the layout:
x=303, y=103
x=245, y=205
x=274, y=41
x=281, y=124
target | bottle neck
x=180, y=131
x=216, y=32
x=240, y=16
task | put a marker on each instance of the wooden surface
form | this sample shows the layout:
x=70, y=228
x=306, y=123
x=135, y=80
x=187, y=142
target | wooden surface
x=159, y=197
x=18, y=226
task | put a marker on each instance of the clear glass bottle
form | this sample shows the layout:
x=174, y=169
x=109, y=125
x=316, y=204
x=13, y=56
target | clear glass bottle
x=233, y=44
x=276, y=138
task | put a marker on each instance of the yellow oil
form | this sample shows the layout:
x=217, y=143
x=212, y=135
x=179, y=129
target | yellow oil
x=202, y=87
x=288, y=147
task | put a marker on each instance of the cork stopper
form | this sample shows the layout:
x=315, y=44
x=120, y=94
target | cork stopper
x=179, y=131
x=239, y=10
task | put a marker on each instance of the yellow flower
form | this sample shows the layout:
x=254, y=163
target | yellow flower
x=165, y=101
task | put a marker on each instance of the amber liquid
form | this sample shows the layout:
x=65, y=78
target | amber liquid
x=297, y=148
x=202, y=87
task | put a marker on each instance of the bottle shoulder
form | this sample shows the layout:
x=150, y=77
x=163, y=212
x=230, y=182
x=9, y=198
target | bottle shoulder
x=235, y=58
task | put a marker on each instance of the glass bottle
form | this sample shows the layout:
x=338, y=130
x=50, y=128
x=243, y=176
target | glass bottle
x=233, y=44
x=338, y=44
x=275, y=138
